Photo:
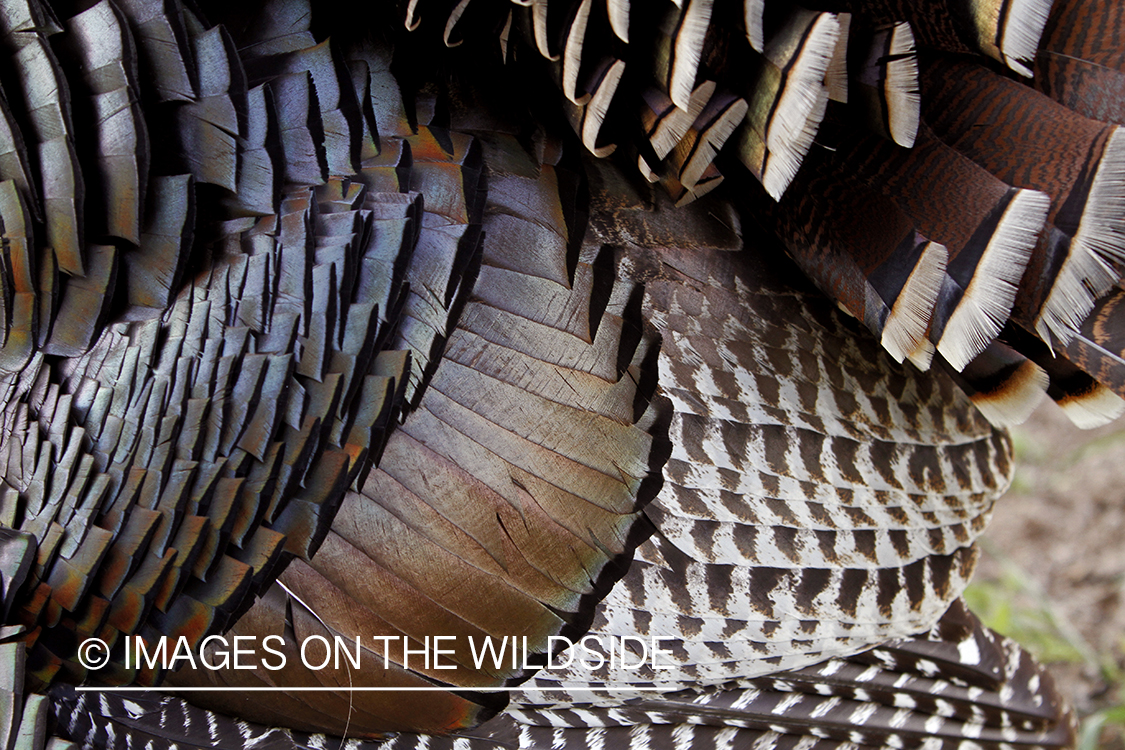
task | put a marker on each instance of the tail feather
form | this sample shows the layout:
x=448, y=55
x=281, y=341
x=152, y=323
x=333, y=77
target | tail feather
x=1083, y=399
x=864, y=251
x=696, y=151
x=1003, y=384
x=989, y=242
x=678, y=58
x=1074, y=160
x=883, y=67
x=1085, y=31
x=800, y=66
x=1099, y=96
x=587, y=118
x=1009, y=33
x=1098, y=348
x=665, y=123
x=788, y=100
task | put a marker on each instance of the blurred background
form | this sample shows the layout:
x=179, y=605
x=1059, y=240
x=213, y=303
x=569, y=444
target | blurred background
x=1052, y=569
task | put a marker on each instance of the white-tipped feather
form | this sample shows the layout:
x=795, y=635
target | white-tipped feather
x=595, y=109
x=1023, y=29
x=753, y=11
x=1081, y=279
x=618, y=11
x=689, y=48
x=716, y=129
x=572, y=53
x=646, y=170
x=1102, y=227
x=1099, y=242
x=904, y=100
x=539, y=27
x=411, y=16
x=505, y=34
x=674, y=125
x=708, y=181
x=988, y=298
x=923, y=356
x=801, y=105
x=905, y=328
x=1094, y=408
x=1019, y=397
x=836, y=79
x=451, y=22
x=785, y=154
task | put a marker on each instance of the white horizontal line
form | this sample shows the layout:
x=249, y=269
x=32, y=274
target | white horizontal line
x=321, y=689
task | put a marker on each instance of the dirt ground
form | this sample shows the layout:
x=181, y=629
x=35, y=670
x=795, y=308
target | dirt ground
x=1052, y=572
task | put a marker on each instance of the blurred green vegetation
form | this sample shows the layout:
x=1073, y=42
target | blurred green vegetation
x=1016, y=607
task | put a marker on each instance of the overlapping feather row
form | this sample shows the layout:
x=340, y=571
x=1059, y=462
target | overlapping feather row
x=310, y=333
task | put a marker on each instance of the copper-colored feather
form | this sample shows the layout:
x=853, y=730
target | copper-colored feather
x=468, y=318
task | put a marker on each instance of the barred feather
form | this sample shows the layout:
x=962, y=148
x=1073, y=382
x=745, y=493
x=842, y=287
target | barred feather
x=470, y=318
